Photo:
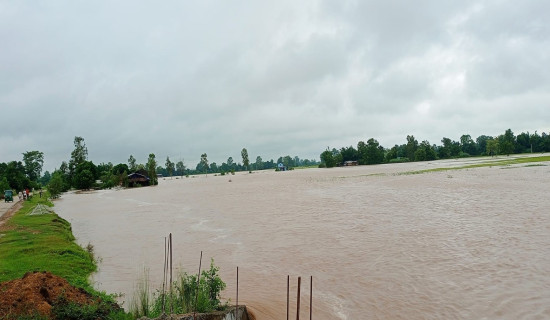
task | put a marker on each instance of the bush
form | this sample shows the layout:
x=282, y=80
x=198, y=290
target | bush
x=180, y=298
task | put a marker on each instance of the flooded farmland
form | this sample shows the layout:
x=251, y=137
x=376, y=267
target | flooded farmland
x=380, y=244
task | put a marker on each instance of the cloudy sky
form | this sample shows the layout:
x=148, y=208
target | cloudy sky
x=180, y=78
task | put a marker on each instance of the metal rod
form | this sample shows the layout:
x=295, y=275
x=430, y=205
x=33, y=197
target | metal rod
x=198, y=283
x=164, y=277
x=310, y=296
x=171, y=301
x=237, y=304
x=287, y=294
x=298, y=299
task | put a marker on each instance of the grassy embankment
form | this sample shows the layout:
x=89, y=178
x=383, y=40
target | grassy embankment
x=42, y=243
x=45, y=242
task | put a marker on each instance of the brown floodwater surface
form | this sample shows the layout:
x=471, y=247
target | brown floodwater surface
x=461, y=244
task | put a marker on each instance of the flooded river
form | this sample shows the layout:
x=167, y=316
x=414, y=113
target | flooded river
x=461, y=244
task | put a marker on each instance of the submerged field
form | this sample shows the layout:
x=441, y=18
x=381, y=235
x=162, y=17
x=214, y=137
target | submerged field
x=409, y=241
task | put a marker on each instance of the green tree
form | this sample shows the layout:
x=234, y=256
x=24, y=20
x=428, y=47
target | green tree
x=204, y=163
x=78, y=155
x=468, y=145
x=327, y=158
x=425, y=152
x=132, y=164
x=507, y=142
x=34, y=160
x=410, y=149
x=169, y=167
x=481, y=143
x=4, y=185
x=244, y=154
x=180, y=167
x=56, y=185
x=371, y=152
x=151, y=168
x=492, y=147
x=85, y=175
x=259, y=163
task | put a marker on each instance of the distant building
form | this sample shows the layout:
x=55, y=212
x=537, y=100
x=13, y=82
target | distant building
x=281, y=167
x=350, y=163
x=135, y=179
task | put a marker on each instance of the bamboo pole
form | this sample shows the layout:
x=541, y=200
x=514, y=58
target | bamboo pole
x=298, y=299
x=198, y=283
x=310, y=296
x=287, y=295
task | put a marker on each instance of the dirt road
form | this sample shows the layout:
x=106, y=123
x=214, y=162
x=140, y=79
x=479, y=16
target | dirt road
x=7, y=209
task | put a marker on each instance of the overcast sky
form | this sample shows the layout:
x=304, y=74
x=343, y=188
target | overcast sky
x=181, y=78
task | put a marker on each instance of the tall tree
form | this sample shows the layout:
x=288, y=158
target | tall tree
x=34, y=160
x=259, y=163
x=79, y=154
x=507, y=142
x=244, y=154
x=169, y=167
x=151, y=168
x=132, y=164
x=180, y=167
x=327, y=158
x=412, y=145
x=204, y=163
x=492, y=147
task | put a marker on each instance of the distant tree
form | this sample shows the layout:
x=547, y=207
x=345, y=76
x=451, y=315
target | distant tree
x=132, y=164
x=481, y=143
x=468, y=145
x=244, y=154
x=259, y=163
x=46, y=178
x=78, y=155
x=523, y=143
x=169, y=167
x=56, y=185
x=85, y=175
x=327, y=158
x=204, y=163
x=120, y=168
x=349, y=154
x=4, y=185
x=507, y=142
x=213, y=167
x=425, y=152
x=33, y=164
x=180, y=167
x=412, y=145
x=371, y=152
x=151, y=168
x=492, y=147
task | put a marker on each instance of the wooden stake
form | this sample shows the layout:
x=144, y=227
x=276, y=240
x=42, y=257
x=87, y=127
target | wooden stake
x=310, y=296
x=287, y=295
x=198, y=283
x=298, y=299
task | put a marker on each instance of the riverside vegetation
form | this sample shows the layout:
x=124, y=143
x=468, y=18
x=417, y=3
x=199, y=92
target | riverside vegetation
x=182, y=296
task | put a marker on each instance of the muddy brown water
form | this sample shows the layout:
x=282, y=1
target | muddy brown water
x=467, y=244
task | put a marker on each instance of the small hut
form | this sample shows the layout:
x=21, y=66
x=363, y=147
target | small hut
x=135, y=179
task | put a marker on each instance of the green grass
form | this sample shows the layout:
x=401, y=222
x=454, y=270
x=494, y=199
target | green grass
x=42, y=243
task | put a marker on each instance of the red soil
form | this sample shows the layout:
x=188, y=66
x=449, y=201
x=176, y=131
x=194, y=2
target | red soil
x=35, y=293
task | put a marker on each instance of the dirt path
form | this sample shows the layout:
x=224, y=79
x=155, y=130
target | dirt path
x=7, y=210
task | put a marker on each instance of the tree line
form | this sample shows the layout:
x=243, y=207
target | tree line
x=372, y=152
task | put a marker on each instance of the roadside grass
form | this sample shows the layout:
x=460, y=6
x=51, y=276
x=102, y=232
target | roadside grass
x=42, y=243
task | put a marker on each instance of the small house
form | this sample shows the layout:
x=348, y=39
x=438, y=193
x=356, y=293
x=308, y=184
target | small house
x=135, y=179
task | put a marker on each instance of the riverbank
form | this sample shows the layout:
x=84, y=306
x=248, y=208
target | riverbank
x=32, y=243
